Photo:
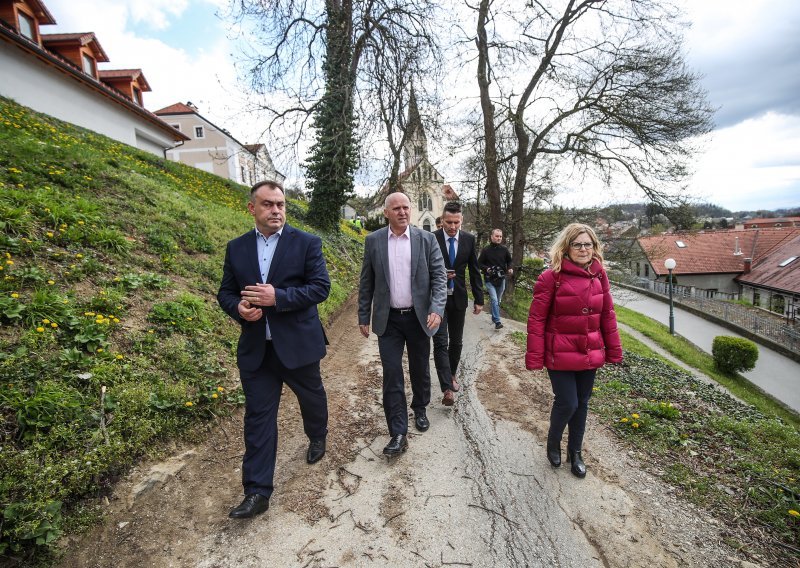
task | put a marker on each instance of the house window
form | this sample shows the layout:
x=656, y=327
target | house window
x=199, y=132
x=137, y=96
x=88, y=64
x=680, y=244
x=647, y=270
x=176, y=127
x=427, y=225
x=638, y=269
x=756, y=298
x=778, y=304
x=27, y=27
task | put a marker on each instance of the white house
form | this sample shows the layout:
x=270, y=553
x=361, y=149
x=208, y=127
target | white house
x=57, y=74
x=214, y=150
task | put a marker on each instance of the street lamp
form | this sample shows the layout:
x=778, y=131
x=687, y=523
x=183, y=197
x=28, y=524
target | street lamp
x=670, y=264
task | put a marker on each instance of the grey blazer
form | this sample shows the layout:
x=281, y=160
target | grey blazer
x=428, y=279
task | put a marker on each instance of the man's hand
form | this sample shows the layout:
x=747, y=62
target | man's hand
x=248, y=312
x=364, y=330
x=477, y=309
x=434, y=320
x=259, y=295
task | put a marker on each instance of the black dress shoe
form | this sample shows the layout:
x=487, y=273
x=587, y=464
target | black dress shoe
x=397, y=445
x=253, y=504
x=554, y=454
x=578, y=468
x=421, y=421
x=316, y=449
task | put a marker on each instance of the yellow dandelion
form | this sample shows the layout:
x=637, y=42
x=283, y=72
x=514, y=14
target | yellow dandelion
x=215, y=395
x=189, y=403
x=220, y=389
x=99, y=349
x=54, y=325
x=635, y=425
x=794, y=513
x=40, y=329
x=45, y=321
x=635, y=416
x=50, y=234
x=150, y=331
x=14, y=295
x=51, y=282
x=80, y=223
x=9, y=262
x=79, y=255
x=625, y=419
x=116, y=320
x=119, y=356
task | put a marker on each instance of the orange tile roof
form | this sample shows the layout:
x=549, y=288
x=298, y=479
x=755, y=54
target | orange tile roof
x=770, y=274
x=713, y=252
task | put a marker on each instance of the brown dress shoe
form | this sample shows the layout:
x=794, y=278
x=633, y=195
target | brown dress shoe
x=449, y=398
x=455, y=386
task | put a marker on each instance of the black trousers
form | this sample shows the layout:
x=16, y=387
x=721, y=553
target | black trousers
x=448, y=343
x=572, y=390
x=262, y=391
x=404, y=331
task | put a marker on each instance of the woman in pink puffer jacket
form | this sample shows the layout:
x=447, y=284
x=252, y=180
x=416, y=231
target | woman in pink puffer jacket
x=572, y=331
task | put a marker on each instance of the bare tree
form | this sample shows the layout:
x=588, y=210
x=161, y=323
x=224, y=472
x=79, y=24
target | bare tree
x=601, y=83
x=349, y=63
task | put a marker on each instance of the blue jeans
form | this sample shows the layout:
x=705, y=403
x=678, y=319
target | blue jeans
x=495, y=295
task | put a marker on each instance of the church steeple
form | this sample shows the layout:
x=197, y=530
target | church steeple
x=416, y=145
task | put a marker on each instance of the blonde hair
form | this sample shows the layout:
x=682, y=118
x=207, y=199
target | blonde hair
x=561, y=245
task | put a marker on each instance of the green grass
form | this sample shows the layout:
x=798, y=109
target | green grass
x=703, y=362
x=110, y=259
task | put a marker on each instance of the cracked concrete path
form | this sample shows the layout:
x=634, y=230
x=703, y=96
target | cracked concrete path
x=474, y=490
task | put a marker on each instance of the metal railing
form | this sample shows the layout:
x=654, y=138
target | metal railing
x=711, y=302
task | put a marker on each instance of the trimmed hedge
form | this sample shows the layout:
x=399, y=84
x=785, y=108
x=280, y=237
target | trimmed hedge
x=734, y=354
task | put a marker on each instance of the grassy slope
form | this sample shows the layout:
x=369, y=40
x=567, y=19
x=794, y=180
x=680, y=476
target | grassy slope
x=739, y=461
x=109, y=261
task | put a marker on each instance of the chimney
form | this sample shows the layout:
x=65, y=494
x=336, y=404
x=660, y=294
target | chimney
x=737, y=251
x=748, y=262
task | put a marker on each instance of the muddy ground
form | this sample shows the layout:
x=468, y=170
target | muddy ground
x=474, y=490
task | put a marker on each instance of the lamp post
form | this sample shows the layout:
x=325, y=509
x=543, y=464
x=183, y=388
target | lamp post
x=670, y=264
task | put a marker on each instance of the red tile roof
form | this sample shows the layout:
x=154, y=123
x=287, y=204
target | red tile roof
x=132, y=74
x=177, y=108
x=713, y=252
x=769, y=273
x=82, y=38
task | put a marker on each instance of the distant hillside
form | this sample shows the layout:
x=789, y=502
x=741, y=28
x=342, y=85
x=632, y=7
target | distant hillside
x=111, y=340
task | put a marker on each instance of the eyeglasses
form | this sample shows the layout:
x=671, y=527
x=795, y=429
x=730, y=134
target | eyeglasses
x=579, y=246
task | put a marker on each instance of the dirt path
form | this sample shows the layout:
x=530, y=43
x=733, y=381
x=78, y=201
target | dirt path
x=475, y=490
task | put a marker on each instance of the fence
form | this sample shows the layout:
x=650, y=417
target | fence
x=770, y=327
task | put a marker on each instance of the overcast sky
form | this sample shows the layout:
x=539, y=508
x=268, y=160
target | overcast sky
x=747, y=51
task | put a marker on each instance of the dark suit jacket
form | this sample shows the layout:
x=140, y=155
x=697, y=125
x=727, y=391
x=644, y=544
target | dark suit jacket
x=466, y=257
x=301, y=281
x=428, y=279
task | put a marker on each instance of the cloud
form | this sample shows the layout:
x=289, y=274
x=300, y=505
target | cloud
x=749, y=56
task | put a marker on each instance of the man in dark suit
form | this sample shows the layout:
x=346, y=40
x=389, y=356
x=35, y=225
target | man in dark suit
x=458, y=250
x=274, y=277
x=403, y=289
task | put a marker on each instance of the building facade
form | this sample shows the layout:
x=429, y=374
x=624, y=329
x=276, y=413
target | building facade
x=213, y=149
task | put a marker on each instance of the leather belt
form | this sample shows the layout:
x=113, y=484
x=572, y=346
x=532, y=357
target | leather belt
x=402, y=310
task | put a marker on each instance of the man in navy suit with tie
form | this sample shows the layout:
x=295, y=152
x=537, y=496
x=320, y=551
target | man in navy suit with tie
x=458, y=249
x=273, y=278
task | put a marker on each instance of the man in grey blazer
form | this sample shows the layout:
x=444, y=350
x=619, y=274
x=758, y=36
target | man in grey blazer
x=403, y=287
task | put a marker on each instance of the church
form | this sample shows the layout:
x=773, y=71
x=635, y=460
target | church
x=419, y=180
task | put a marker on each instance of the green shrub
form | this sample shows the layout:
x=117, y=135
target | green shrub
x=734, y=354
